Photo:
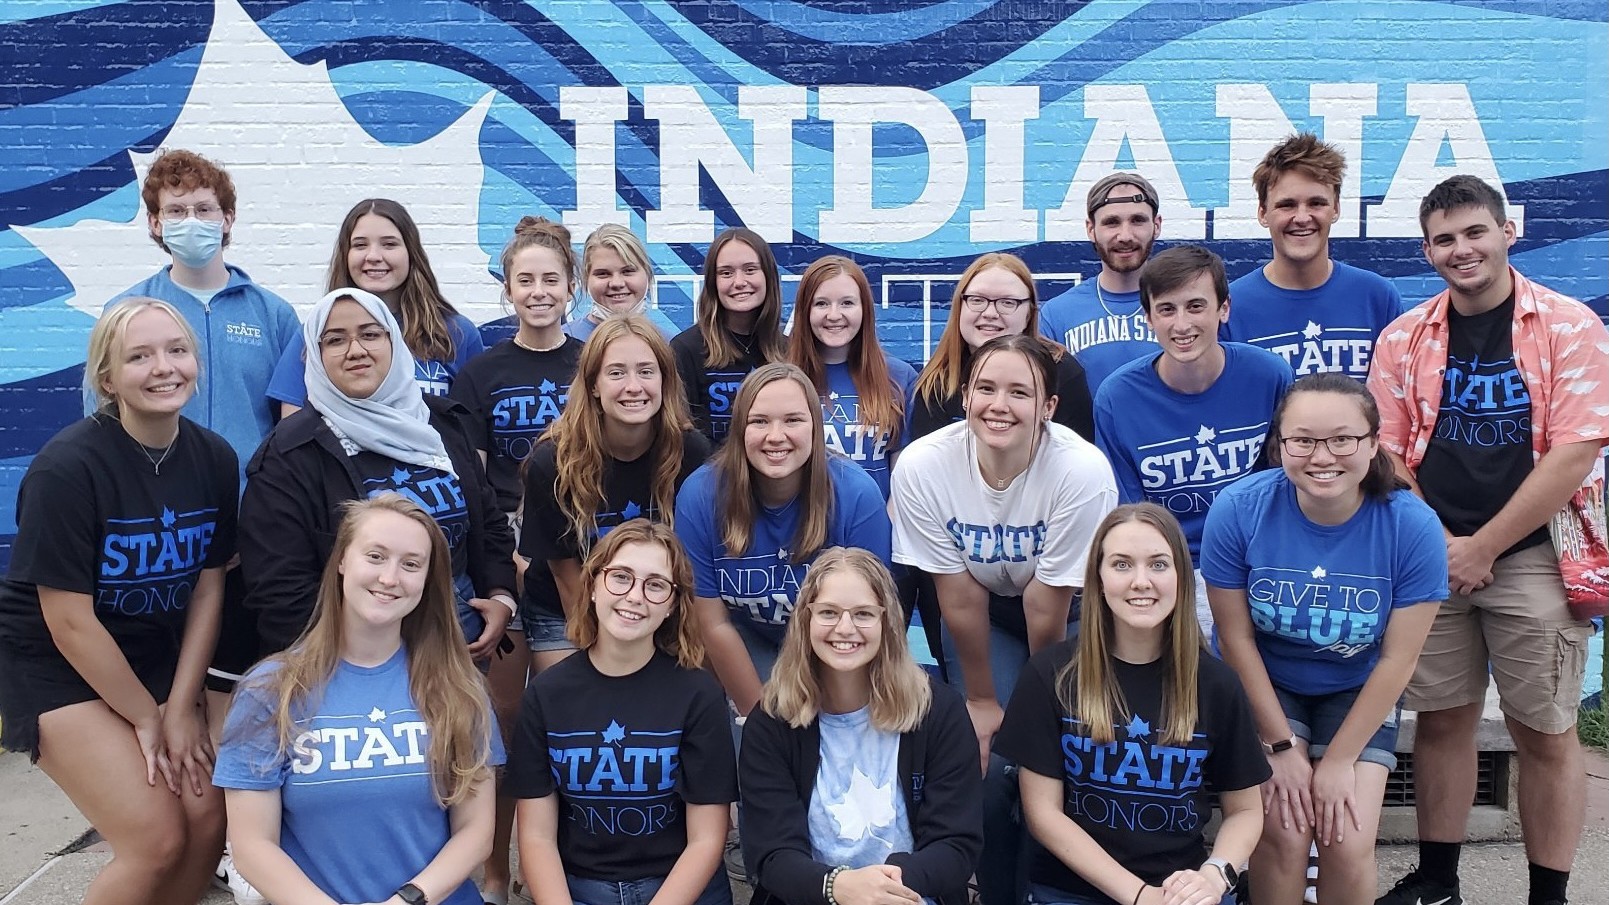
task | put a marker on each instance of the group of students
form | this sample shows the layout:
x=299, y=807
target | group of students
x=705, y=539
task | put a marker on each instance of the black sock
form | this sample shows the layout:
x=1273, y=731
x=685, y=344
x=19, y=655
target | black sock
x=1547, y=884
x=1438, y=862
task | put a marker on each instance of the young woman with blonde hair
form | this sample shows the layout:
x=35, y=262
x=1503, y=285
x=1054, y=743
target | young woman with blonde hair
x=623, y=756
x=109, y=614
x=618, y=277
x=1120, y=735
x=757, y=515
x=859, y=784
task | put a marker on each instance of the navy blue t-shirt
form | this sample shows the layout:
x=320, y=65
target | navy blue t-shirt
x=711, y=391
x=513, y=394
x=436, y=491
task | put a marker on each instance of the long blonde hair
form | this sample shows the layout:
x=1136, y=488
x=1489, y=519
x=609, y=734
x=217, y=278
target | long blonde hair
x=1087, y=685
x=579, y=448
x=901, y=694
x=944, y=373
x=736, y=476
x=446, y=688
x=678, y=635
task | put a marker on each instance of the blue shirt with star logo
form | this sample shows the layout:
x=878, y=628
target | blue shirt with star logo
x=869, y=446
x=358, y=814
x=1328, y=328
x=513, y=395
x=437, y=492
x=1321, y=596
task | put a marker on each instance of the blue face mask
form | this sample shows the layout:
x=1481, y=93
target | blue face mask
x=193, y=241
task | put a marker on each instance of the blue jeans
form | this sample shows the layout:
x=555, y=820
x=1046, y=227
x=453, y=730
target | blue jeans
x=585, y=891
x=1039, y=894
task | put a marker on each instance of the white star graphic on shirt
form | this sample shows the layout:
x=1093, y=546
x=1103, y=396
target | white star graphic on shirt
x=833, y=395
x=1313, y=331
x=377, y=715
x=782, y=553
x=1206, y=434
x=1318, y=572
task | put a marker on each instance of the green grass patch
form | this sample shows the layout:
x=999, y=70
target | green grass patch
x=1593, y=726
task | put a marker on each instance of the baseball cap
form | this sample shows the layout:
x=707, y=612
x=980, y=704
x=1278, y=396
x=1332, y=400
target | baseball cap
x=1100, y=194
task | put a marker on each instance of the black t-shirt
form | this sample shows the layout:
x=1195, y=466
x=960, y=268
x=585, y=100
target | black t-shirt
x=1143, y=801
x=711, y=391
x=1074, y=407
x=624, y=754
x=437, y=492
x=514, y=394
x=1480, y=452
x=94, y=517
x=547, y=534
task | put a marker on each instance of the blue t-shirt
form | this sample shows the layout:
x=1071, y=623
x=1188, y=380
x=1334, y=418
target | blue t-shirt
x=1321, y=595
x=582, y=327
x=1179, y=450
x=434, y=377
x=1104, y=330
x=763, y=584
x=857, y=812
x=359, y=816
x=1329, y=328
x=867, y=447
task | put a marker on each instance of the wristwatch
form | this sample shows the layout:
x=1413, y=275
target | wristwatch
x=1226, y=870
x=1281, y=745
x=412, y=894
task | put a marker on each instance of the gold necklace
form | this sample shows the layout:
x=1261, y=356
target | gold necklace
x=529, y=348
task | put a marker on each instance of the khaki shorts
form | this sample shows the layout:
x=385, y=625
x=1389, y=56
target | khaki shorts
x=1518, y=624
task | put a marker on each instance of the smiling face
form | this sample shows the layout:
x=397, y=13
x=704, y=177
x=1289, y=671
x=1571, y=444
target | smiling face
x=836, y=316
x=613, y=282
x=1139, y=579
x=739, y=283
x=1005, y=401
x=383, y=570
x=1323, y=477
x=1186, y=319
x=538, y=287
x=154, y=371
x=779, y=434
x=978, y=327
x=851, y=641
x=1123, y=233
x=376, y=258
x=1469, y=248
x=629, y=384
x=355, y=349
x=627, y=615
x=1299, y=212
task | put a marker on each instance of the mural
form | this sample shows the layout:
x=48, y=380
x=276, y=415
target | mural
x=911, y=136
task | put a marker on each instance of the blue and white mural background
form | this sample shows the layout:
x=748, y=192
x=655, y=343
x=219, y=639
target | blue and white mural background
x=910, y=135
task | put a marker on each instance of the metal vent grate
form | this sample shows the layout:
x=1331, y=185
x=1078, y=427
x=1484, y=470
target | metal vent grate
x=1491, y=780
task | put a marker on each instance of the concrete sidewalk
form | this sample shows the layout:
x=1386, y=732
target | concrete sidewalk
x=41, y=865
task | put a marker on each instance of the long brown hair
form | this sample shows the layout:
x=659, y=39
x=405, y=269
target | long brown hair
x=1087, y=686
x=736, y=476
x=446, y=688
x=422, y=309
x=718, y=337
x=678, y=635
x=944, y=373
x=901, y=694
x=579, y=448
x=881, y=407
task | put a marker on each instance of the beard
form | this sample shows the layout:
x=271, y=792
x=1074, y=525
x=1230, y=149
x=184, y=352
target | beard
x=1109, y=259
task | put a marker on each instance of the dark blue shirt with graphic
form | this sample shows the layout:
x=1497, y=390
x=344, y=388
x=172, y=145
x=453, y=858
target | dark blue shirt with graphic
x=869, y=446
x=1104, y=330
x=1322, y=595
x=626, y=755
x=513, y=395
x=712, y=390
x=437, y=492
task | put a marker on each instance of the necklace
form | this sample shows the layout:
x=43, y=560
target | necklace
x=156, y=463
x=530, y=348
x=1099, y=297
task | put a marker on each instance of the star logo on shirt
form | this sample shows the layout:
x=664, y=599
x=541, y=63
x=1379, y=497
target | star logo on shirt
x=614, y=733
x=399, y=477
x=1137, y=728
x=782, y=553
x=833, y=395
x=1313, y=331
x=631, y=510
x=1206, y=434
x=168, y=518
x=547, y=387
x=1318, y=572
x=376, y=715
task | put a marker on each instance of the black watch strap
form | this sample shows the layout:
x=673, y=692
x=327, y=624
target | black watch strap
x=412, y=894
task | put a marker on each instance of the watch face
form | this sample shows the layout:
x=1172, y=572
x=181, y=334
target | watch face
x=412, y=894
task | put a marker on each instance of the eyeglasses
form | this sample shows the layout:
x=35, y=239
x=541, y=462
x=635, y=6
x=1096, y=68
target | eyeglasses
x=620, y=580
x=206, y=210
x=339, y=340
x=862, y=617
x=1004, y=306
x=1338, y=445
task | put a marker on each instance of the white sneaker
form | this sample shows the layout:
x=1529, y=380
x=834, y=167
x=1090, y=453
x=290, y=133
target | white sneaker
x=226, y=877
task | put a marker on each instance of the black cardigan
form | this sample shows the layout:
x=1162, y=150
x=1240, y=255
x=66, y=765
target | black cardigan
x=941, y=779
x=295, y=484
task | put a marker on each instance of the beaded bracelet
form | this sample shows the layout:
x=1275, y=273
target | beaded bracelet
x=827, y=883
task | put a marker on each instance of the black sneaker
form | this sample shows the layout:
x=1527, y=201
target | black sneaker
x=1415, y=889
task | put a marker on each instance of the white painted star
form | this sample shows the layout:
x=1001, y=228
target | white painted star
x=1318, y=572
x=1206, y=434
x=1313, y=331
x=377, y=715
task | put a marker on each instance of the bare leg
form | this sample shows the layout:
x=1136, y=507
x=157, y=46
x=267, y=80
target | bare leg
x=1552, y=808
x=1346, y=869
x=1445, y=743
x=507, y=682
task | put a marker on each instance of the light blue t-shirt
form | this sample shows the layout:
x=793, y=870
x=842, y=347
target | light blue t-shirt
x=359, y=817
x=1104, y=330
x=434, y=377
x=1329, y=328
x=1179, y=450
x=840, y=412
x=1321, y=595
x=582, y=326
x=857, y=809
x=762, y=585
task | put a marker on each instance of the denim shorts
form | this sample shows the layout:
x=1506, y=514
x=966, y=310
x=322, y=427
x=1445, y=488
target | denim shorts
x=545, y=633
x=1315, y=718
x=586, y=891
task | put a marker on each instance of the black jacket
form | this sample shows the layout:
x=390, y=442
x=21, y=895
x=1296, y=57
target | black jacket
x=295, y=485
x=938, y=768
